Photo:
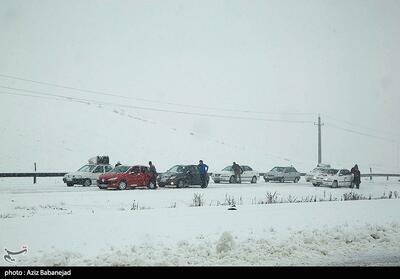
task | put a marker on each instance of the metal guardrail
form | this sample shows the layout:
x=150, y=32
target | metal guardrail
x=32, y=174
x=59, y=174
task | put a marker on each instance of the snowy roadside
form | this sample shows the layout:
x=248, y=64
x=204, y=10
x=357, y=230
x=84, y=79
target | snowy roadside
x=86, y=226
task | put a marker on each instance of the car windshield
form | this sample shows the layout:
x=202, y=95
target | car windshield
x=228, y=168
x=278, y=169
x=120, y=169
x=330, y=171
x=87, y=168
x=176, y=169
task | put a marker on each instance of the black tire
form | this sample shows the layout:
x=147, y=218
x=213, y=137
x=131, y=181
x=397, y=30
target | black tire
x=70, y=184
x=334, y=184
x=216, y=182
x=232, y=180
x=282, y=180
x=296, y=180
x=87, y=182
x=161, y=185
x=122, y=185
x=266, y=180
x=254, y=179
x=315, y=184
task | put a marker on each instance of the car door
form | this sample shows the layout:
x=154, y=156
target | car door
x=342, y=178
x=99, y=170
x=194, y=175
x=133, y=177
x=347, y=178
x=245, y=174
x=286, y=174
x=144, y=177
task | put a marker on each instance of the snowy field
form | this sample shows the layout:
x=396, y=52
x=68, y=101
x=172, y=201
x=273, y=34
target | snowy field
x=274, y=224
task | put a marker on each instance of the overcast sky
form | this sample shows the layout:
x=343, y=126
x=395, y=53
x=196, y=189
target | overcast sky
x=337, y=58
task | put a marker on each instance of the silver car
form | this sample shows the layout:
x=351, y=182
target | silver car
x=282, y=174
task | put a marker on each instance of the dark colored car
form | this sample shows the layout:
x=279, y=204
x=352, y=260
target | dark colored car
x=181, y=176
x=124, y=177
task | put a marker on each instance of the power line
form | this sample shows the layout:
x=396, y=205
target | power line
x=224, y=142
x=357, y=125
x=150, y=101
x=360, y=133
x=151, y=109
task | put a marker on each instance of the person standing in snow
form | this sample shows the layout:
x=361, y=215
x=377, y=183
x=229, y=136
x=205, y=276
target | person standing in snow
x=153, y=173
x=203, y=169
x=356, y=176
x=238, y=172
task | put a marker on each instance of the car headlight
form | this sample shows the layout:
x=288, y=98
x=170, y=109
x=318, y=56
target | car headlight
x=314, y=177
x=113, y=179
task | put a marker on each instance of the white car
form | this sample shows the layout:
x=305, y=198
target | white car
x=316, y=171
x=333, y=178
x=86, y=175
x=228, y=175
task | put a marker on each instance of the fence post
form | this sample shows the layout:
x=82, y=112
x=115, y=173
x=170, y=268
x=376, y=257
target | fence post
x=34, y=177
x=370, y=171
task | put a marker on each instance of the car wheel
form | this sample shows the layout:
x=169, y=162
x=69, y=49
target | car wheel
x=266, y=180
x=122, y=185
x=334, y=184
x=216, y=182
x=296, y=180
x=232, y=179
x=282, y=180
x=70, y=184
x=87, y=182
x=315, y=184
x=180, y=184
x=254, y=179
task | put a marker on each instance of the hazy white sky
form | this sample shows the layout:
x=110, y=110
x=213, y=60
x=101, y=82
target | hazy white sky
x=337, y=58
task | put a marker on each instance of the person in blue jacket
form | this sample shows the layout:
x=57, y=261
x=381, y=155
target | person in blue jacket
x=203, y=168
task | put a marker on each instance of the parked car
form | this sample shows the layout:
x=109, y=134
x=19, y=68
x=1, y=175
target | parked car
x=282, y=174
x=181, y=176
x=86, y=175
x=227, y=175
x=124, y=177
x=316, y=171
x=333, y=178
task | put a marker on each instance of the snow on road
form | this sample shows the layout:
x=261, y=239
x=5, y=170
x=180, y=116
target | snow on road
x=86, y=226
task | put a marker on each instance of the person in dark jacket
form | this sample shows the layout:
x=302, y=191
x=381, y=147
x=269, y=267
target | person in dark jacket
x=238, y=172
x=203, y=169
x=356, y=176
x=153, y=173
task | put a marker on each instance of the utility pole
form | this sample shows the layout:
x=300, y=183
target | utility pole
x=319, y=139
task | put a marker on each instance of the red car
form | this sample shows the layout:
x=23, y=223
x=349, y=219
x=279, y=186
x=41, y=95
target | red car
x=124, y=177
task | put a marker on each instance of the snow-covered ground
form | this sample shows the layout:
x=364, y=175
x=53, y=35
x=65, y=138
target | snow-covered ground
x=62, y=225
